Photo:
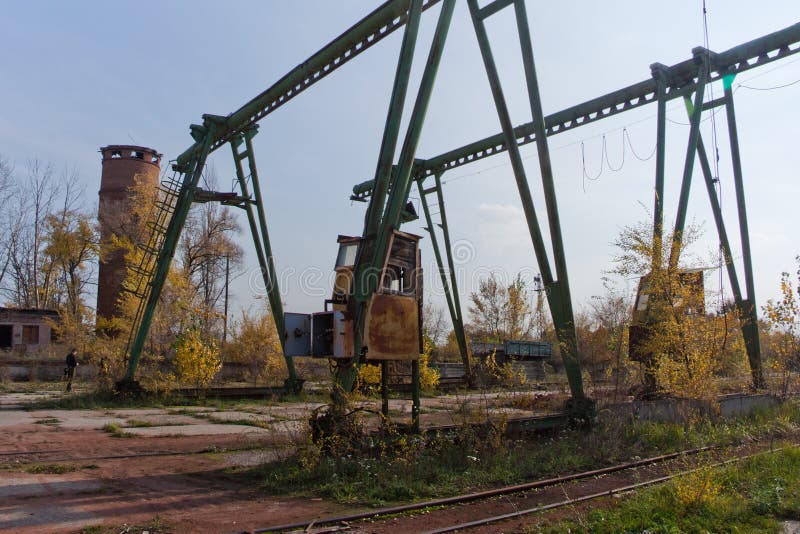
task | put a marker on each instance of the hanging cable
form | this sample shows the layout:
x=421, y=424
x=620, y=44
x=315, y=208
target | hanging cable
x=627, y=135
x=768, y=88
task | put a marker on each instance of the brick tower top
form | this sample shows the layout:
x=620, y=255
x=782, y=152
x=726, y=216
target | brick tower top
x=122, y=162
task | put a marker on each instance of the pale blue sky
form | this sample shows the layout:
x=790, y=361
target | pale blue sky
x=84, y=74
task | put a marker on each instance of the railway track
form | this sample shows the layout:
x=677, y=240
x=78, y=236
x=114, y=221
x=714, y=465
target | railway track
x=518, y=500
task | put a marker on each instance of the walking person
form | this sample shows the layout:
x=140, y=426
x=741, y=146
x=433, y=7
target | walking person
x=69, y=371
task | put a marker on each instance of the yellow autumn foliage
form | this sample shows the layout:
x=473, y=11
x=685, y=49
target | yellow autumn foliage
x=369, y=376
x=196, y=360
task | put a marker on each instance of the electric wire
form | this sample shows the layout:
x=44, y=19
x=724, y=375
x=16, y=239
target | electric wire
x=743, y=86
x=671, y=107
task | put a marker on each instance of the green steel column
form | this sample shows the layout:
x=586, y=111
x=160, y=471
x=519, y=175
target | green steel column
x=695, y=111
x=391, y=131
x=385, y=388
x=568, y=339
x=454, y=313
x=415, y=395
x=165, y=255
x=364, y=270
x=458, y=327
x=402, y=180
x=258, y=244
x=557, y=293
x=273, y=291
x=659, y=75
x=511, y=144
x=364, y=285
x=750, y=326
x=719, y=221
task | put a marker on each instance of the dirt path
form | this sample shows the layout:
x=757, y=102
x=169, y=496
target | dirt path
x=186, y=492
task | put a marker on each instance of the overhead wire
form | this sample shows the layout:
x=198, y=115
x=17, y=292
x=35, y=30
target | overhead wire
x=625, y=127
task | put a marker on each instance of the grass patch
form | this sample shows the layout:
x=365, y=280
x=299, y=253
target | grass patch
x=102, y=399
x=47, y=421
x=116, y=431
x=50, y=469
x=137, y=423
x=154, y=526
x=246, y=421
x=405, y=468
x=753, y=496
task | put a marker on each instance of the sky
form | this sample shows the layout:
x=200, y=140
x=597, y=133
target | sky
x=80, y=75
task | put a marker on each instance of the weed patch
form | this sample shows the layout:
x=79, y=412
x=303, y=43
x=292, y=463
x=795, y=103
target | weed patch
x=116, y=431
x=50, y=469
x=47, y=421
x=753, y=496
x=397, y=468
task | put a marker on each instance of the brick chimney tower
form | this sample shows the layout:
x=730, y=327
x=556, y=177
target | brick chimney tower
x=123, y=165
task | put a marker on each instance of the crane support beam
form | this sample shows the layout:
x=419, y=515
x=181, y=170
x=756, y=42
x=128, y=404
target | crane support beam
x=681, y=79
x=370, y=30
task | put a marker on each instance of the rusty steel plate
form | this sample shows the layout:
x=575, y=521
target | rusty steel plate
x=392, y=328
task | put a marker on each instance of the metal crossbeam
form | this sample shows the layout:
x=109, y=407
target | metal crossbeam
x=370, y=30
x=681, y=80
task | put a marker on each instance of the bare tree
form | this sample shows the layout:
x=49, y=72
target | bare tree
x=434, y=324
x=209, y=253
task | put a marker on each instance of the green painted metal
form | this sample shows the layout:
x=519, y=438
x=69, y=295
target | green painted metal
x=743, y=306
x=258, y=231
x=391, y=133
x=564, y=323
x=458, y=323
x=415, y=394
x=453, y=306
x=370, y=30
x=681, y=81
x=557, y=290
x=368, y=269
x=695, y=111
x=385, y=388
x=660, y=76
x=750, y=326
x=719, y=221
x=165, y=255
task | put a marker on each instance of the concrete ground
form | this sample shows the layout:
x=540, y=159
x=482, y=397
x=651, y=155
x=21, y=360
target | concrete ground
x=66, y=470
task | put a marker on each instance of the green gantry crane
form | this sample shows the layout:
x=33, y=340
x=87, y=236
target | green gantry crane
x=395, y=172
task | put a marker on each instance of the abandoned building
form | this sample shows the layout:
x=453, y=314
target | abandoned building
x=26, y=329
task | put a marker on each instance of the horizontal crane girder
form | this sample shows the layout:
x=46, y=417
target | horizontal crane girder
x=681, y=80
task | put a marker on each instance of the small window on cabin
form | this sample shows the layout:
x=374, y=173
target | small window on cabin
x=30, y=334
x=136, y=154
x=116, y=154
x=154, y=159
x=347, y=255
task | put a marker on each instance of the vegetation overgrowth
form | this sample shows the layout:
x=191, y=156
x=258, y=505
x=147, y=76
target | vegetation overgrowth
x=398, y=468
x=753, y=496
